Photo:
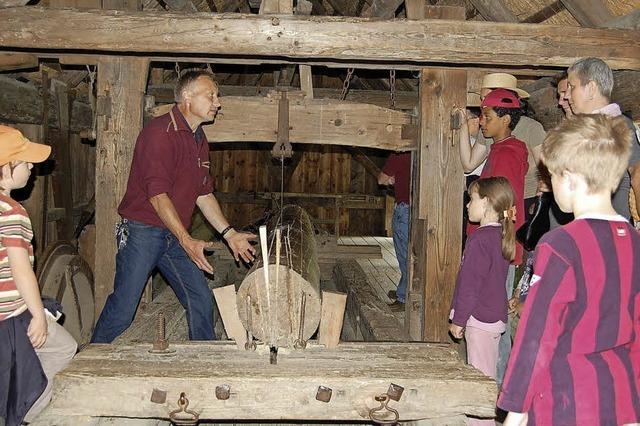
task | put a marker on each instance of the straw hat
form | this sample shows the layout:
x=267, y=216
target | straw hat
x=500, y=80
x=473, y=99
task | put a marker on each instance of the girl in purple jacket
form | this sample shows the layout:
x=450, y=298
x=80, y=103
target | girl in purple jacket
x=479, y=306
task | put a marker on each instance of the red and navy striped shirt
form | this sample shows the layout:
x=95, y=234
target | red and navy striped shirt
x=576, y=355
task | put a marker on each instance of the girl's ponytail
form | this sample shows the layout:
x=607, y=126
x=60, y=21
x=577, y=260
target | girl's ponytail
x=508, y=233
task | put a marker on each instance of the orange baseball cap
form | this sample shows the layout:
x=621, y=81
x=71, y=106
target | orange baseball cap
x=14, y=146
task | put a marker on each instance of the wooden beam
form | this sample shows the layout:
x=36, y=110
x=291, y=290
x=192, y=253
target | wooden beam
x=415, y=9
x=544, y=13
x=23, y=103
x=589, y=13
x=306, y=81
x=268, y=7
x=117, y=380
x=181, y=6
x=16, y=61
x=385, y=9
x=441, y=185
x=312, y=121
x=13, y=3
x=630, y=21
x=121, y=84
x=625, y=92
x=365, y=161
x=92, y=59
x=424, y=42
x=494, y=10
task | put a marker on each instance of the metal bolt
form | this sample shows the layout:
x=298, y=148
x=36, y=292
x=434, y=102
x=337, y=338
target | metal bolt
x=323, y=394
x=160, y=344
x=395, y=392
x=158, y=396
x=223, y=392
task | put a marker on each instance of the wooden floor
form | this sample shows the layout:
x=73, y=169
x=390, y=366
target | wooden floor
x=383, y=274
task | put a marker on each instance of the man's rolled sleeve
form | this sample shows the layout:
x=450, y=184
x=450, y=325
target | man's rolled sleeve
x=157, y=175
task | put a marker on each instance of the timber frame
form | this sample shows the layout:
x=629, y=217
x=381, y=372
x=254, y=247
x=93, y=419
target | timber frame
x=123, y=43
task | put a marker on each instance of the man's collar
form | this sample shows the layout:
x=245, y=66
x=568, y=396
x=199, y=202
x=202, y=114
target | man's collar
x=179, y=122
x=612, y=110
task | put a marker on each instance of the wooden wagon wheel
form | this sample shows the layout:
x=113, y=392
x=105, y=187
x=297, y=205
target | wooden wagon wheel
x=66, y=277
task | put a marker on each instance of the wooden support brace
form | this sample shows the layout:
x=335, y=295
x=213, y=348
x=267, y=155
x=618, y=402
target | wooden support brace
x=306, y=81
x=331, y=318
x=226, y=301
x=282, y=148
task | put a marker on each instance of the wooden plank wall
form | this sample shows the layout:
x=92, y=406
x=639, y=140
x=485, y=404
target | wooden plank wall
x=322, y=169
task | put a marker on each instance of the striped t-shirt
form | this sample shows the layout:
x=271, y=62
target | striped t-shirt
x=576, y=356
x=15, y=231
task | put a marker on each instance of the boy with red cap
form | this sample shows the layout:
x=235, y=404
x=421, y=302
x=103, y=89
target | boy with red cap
x=33, y=346
x=508, y=157
x=501, y=112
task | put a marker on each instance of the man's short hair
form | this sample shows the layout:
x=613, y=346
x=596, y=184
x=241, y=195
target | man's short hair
x=563, y=76
x=594, y=146
x=596, y=70
x=187, y=78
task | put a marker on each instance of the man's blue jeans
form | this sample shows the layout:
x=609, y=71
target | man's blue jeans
x=504, y=347
x=400, y=225
x=141, y=248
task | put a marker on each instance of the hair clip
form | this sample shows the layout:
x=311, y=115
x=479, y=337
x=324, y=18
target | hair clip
x=510, y=213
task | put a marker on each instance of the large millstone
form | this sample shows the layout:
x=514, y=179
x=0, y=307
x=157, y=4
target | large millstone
x=276, y=309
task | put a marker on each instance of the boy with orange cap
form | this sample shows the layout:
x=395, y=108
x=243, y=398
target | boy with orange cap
x=33, y=346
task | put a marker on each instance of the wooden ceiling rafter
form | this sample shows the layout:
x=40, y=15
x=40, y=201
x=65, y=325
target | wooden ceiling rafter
x=494, y=10
x=545, y=13
x=589, y=13
x=329, y=38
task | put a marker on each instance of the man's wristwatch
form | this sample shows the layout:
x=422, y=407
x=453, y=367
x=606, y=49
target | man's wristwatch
x=226, y=231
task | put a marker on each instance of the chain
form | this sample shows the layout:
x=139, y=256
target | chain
x=209, y=68
x=177, y=70
x=392, y=88
x=92, y=100
x=345, y=84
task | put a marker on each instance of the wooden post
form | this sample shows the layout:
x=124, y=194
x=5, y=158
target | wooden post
x=62, y=182
x=306, y=81
x=436, y=208
x=121, y=85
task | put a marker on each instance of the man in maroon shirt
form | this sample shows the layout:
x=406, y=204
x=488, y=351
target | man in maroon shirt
x=169, y=177
x=397, y=173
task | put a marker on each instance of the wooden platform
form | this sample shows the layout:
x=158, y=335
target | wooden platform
x=383, y=274
x=118, y=381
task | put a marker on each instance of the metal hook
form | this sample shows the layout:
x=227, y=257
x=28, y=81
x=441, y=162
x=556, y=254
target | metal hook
x=183, y=403
x=384, y=409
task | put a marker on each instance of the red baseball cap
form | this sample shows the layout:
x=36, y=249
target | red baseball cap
x=502, y=98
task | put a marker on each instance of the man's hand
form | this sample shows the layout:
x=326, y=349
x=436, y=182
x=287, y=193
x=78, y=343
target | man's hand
x=456, y=331
x=515, y=307
x=239, y=243
x=195, y=250
x=386, y=180
x=37, y=331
